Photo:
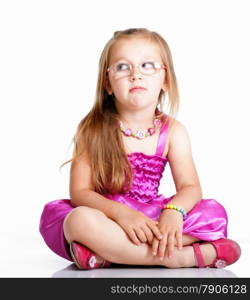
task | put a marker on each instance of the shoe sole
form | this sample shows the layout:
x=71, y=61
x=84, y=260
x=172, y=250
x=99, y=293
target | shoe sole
x=74, y=258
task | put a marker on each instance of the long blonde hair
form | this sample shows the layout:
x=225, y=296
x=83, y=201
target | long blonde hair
x=98, y=135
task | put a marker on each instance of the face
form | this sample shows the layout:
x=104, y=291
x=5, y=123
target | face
x=136, y=51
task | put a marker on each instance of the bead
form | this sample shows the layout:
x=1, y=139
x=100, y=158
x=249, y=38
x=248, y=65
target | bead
x=128, y=132
x=157, y=122
x=140, y=134
x=151, y=131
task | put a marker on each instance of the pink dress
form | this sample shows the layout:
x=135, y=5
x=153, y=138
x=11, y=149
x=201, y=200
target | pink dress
x=207, y=220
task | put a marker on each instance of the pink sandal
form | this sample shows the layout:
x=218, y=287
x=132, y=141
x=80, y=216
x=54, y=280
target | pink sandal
x=84, y=258
x=228, y=252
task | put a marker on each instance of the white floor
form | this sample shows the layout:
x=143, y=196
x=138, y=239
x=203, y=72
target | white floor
x=26, y=255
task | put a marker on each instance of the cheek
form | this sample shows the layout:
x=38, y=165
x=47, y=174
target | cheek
x=155, y=86
x=119, y=87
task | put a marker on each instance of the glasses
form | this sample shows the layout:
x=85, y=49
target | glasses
x=121, y=69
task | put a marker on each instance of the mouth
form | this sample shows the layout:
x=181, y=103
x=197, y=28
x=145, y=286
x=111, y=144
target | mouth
x=137, y=89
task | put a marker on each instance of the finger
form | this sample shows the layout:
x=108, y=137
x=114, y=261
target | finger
x=148, y=234
x=141, y=235
x=162, y=247
x=155, y=245
x=170, y=244
x=133, y=237
x=154, y=228
x=179, y=239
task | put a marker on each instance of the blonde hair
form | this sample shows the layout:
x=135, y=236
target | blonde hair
x=98, y=133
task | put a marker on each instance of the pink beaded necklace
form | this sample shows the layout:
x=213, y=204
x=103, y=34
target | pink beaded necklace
x=141, y=134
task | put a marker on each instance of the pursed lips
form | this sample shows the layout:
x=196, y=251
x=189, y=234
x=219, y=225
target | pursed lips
x=137, y=88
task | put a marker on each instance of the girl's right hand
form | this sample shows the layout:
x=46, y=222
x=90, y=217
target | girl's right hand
x=139, y=227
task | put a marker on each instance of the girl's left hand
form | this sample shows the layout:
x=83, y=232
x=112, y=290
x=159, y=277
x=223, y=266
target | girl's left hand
x=171, y=226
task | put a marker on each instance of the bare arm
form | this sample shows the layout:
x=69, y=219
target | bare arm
x=92, y=199
x=82, y=192
x=188, y=189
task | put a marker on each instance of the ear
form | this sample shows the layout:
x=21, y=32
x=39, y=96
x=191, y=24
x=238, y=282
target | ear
x=108, y=87
x=165, y=87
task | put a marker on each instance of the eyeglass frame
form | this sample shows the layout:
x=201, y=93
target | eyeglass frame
x=162, y=66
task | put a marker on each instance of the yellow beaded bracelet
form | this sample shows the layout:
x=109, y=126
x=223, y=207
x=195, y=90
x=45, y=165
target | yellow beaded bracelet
x=172, y=206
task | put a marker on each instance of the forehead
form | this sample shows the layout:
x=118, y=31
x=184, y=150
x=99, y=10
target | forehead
x=134, y=49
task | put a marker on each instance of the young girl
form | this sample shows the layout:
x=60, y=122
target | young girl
x=114, y=214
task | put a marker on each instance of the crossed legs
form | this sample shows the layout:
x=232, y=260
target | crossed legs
x=108, y=240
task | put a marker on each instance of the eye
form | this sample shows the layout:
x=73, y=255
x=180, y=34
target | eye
x=148, y=65
x=122, y=67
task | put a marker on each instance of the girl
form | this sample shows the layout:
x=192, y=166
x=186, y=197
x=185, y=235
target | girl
x=114, y=214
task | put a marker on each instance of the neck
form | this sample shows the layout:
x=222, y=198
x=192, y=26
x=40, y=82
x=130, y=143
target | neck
x=141, y=120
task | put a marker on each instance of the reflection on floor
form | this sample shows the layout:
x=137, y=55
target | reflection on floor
x=141, y=272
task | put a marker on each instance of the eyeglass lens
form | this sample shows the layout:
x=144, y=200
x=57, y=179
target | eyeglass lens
x=146, y=68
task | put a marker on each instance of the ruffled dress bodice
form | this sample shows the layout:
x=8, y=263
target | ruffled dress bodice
x=147, y=172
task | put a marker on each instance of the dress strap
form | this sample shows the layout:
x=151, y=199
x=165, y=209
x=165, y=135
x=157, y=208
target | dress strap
x=162, y=137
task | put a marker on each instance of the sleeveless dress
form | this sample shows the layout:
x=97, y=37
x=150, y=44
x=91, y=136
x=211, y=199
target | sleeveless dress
x=207, y=220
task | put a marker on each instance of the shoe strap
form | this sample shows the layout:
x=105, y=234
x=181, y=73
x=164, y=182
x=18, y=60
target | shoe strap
x=198, y=255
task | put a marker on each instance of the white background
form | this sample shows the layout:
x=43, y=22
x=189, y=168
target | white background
x=48, y=70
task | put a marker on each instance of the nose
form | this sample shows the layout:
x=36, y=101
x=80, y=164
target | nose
x=135, y=73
